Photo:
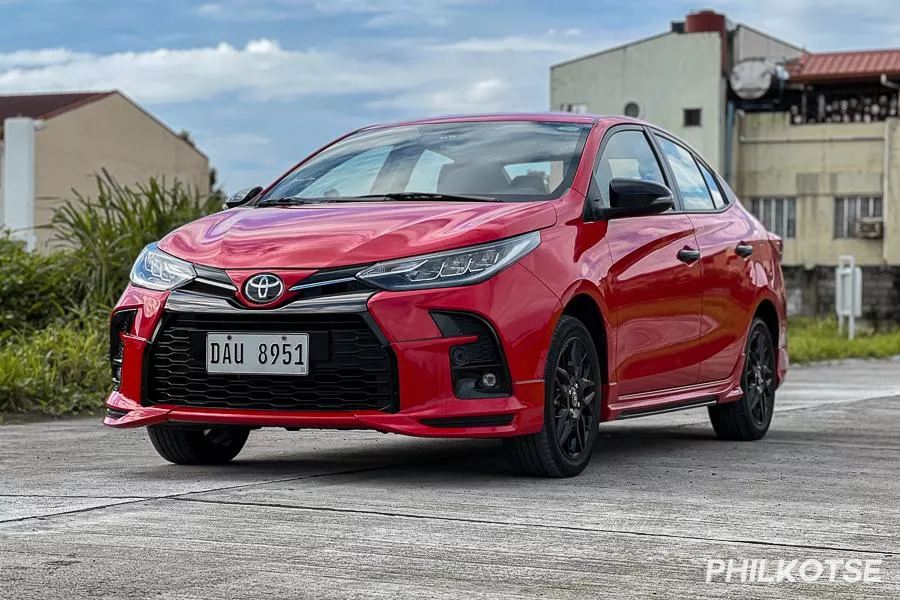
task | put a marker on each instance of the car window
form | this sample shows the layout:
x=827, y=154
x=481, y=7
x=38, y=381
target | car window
x=532, y=177
x=424, y=176
x=512, y=161
x=354, y=177
x=627, y=154
x=694, y=193
x=717, y=197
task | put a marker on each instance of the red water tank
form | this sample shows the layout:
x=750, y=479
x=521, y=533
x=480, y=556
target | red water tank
x=710, y=21
x=705, y=20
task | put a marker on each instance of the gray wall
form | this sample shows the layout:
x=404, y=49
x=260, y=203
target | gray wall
x=811, y=292
x=749, y=43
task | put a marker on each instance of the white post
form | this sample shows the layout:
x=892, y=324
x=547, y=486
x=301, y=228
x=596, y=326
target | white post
x=18, y=178
x=848, y=294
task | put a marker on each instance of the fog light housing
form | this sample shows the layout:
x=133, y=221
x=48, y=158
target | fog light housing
x=122, y=322
x=488, y=380
x=478, y=368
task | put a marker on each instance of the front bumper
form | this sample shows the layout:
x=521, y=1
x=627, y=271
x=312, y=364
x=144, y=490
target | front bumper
x=519, y=307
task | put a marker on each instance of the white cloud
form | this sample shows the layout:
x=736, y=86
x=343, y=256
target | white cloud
x=485, y=95
x=517, y=44
x=380, y=13
x=261, y=70
x=35, y=58
x=820, y=24
x=412, y=77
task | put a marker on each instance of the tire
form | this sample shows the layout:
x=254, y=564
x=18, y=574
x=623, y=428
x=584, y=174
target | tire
x=749, y=418
x=563, y=446
x=194, y=446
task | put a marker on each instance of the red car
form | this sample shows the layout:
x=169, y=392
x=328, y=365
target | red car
x=523, y=277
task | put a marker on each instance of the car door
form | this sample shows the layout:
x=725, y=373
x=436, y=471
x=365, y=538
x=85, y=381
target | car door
x=726, y=244
x=653, y=283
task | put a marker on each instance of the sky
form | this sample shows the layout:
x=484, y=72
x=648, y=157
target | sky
x=260, y=84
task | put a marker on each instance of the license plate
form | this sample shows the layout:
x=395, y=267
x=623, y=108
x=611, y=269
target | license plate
x=257, y=353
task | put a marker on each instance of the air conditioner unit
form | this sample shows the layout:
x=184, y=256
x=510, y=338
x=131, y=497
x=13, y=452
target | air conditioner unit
x=871, y=228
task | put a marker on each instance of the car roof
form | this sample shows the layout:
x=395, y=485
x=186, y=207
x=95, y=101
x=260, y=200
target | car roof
x=553, y=117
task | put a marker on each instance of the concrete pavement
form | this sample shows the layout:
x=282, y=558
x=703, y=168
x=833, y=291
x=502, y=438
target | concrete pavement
x=88, y=512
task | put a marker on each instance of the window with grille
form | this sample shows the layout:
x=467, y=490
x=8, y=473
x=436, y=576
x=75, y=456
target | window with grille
x=848, y=210
x=692, y=117
x=777, y=214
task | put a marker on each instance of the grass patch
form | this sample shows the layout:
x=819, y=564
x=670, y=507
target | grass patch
x=812, y=340
x=57, y=370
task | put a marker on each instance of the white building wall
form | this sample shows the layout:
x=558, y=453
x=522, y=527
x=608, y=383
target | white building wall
x=664, y=74
x=749, y=43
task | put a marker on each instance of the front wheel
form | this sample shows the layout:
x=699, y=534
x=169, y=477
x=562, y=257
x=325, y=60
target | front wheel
x=563, y=446
x=197, y=446
x=749, y=418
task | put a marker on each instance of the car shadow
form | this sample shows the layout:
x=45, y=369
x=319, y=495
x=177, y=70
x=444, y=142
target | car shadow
x=455, y=461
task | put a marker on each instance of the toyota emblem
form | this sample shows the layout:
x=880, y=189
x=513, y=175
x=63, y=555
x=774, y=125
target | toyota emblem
x=263, y=288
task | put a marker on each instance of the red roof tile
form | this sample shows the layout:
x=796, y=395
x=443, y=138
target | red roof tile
x=842, y=66
x=43, y=106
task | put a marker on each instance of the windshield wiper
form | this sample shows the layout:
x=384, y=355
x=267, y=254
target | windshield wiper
x=431, y=196
x=281, y=202
x=411, y=196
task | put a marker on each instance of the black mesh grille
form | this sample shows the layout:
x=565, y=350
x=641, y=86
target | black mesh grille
x=349, y=367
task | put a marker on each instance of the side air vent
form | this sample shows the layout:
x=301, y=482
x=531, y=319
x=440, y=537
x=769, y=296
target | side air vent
x=122, y=322
x=479, y=368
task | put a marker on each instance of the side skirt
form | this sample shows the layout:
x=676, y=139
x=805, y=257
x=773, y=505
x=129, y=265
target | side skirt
x=660, y=401
x=639, y=412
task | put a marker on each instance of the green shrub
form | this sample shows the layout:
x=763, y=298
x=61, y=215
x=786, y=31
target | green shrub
x=61, y=369
x=53, y=306
x=107, y=232
x=35, y=289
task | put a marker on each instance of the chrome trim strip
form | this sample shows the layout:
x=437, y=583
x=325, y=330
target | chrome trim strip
x=181, y=301
x=306, y=286
x=219, y=284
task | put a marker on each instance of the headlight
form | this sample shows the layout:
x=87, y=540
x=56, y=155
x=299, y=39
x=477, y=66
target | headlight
x=157, y=270
x=456, y=267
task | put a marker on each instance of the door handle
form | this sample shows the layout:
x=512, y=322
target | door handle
x=743, y=250
x=688, y=255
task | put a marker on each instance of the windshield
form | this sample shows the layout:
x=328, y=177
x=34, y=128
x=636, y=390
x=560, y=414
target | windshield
x=512, y=161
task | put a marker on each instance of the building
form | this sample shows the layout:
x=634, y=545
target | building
x=809, y=141
x=56, y=143
x=677, y=79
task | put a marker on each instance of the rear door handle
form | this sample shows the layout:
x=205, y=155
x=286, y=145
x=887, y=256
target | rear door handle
x=688, y=255
x=743, y=250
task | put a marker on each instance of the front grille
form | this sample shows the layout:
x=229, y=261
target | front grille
x=350, y=369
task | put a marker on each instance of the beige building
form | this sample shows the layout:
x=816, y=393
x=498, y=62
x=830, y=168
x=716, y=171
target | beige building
x=816, y=184
x=809, y=141
x=818, y=162
x=56, y=143
x=676, y=79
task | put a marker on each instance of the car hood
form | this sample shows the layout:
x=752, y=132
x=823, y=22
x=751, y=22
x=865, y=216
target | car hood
x=344, y=234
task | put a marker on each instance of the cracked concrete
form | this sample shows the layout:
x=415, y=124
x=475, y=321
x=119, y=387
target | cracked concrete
x=92, y=512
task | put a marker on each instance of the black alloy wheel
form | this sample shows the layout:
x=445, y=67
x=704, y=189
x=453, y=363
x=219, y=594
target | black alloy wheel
x=574, y=389
x=572, y=379
x=750, y=417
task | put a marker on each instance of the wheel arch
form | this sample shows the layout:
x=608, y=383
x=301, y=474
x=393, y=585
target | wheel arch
x=766, y=311
x=583, y=307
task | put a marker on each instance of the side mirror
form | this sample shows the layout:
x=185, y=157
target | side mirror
x=242, y=197
x=634, y=198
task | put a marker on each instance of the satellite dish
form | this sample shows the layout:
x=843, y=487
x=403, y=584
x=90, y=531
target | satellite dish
x=753, y=78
